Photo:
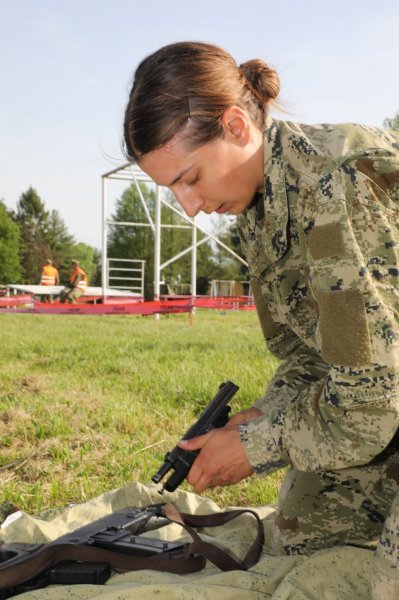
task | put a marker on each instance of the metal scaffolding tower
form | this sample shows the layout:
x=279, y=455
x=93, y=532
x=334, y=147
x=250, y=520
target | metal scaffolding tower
x=133, y=174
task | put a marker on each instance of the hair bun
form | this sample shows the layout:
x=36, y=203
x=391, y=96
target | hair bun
x=262, y=79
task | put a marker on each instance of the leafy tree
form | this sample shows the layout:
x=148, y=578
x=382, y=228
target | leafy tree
x=392, y=123
x=33, y=221
x=44, y=235
x=10, y=263
x=60, y=244
x=97, y=275
x=227, y=267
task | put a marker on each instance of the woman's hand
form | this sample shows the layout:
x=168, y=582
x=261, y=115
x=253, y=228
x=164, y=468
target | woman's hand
x=243, y=417
x=222, y=459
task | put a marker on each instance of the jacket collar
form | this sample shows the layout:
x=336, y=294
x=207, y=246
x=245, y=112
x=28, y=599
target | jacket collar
x=272, y=218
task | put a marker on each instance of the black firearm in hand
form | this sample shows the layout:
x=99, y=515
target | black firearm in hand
x=214, y=415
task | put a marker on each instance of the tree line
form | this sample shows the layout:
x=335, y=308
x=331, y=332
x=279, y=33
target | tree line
x=30, y=234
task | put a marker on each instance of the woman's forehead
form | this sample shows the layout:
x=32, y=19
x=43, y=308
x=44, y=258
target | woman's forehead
x=168, y=163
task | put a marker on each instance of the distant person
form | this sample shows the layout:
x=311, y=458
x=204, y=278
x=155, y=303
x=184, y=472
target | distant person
x=50, y=277
x=77, y=284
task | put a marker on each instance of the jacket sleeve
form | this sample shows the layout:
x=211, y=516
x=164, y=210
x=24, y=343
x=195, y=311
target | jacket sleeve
x=340, y=408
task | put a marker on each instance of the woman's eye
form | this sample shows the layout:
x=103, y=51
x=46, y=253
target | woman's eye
x=193, y=181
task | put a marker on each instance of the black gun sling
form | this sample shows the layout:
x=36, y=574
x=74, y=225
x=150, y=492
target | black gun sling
x=194, y=558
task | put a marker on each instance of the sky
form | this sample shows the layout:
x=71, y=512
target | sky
x=66, y=68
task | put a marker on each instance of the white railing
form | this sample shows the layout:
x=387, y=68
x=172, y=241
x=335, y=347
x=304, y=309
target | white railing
x=126, y=274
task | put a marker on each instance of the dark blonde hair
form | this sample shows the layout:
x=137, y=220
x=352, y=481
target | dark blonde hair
x=185, y=88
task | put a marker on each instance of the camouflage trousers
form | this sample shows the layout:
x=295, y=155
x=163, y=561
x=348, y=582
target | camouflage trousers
x=348, y=506
x=385, y=581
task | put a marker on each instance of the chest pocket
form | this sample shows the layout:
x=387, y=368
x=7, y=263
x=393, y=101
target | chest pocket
x=284, y=285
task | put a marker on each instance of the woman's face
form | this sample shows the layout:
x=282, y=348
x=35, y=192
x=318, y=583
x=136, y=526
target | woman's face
x=220, y=176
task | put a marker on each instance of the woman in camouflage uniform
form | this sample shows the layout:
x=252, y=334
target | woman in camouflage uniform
x=318, y=218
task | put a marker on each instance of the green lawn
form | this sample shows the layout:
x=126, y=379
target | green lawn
x=90, y=403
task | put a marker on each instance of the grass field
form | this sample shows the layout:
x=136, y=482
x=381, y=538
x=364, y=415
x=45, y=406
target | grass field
x=89, y=404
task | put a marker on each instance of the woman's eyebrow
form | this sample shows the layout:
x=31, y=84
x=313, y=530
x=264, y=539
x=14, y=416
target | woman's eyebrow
x=180, y=175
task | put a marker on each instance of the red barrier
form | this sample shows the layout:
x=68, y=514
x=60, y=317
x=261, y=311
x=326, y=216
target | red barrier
x=225, y=302
x=8, y=301
x=171, y=305
x=143, y=308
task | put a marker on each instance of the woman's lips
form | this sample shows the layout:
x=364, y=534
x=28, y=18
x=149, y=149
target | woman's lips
x=222, y=209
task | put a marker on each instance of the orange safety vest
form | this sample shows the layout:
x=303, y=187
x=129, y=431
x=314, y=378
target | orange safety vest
x=82, y=285
x=49, y=275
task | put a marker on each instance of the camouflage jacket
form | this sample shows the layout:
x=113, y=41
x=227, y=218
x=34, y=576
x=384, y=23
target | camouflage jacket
x=322, y=245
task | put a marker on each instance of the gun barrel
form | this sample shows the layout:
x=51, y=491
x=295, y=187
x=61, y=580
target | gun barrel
x=164, y=468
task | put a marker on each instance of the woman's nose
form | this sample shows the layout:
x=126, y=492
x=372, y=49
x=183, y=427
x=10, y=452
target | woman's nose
x=190, y=202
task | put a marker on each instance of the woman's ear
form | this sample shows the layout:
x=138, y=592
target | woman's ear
x=236, y=123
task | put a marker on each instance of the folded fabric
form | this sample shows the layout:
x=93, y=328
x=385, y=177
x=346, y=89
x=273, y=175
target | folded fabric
x=341, y=573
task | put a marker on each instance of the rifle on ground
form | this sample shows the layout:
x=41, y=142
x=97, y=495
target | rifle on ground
x=215, y=415
x=88, y=554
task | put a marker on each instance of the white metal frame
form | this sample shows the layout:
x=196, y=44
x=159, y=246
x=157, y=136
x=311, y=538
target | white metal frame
x=133, y=273
x=132, y=173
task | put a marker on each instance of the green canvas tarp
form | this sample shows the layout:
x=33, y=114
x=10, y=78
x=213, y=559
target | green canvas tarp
x=342, y=573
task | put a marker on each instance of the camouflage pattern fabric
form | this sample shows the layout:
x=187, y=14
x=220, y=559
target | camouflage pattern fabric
x=385, y=581
x=322, y=244
x=328, y=508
